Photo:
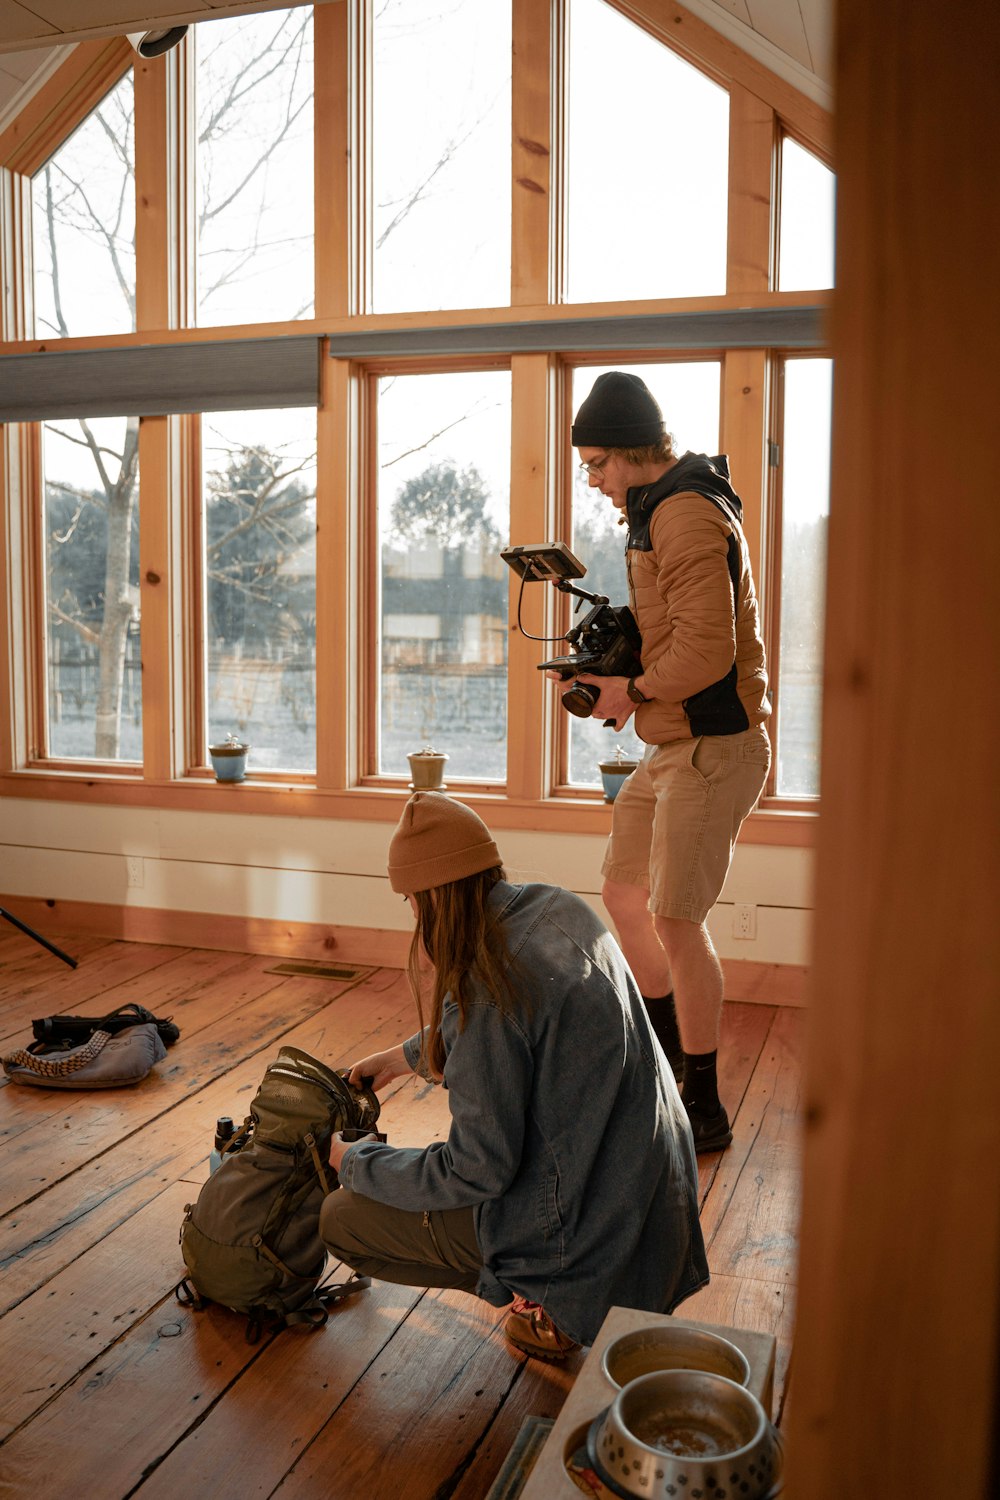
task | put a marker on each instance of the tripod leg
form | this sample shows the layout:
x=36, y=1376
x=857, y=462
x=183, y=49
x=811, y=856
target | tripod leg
x=8, y=917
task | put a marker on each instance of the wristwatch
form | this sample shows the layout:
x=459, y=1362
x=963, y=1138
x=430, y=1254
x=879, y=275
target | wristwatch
x=634, y=692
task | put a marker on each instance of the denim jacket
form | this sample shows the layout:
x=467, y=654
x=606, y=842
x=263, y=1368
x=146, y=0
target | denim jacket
x=568, y=1137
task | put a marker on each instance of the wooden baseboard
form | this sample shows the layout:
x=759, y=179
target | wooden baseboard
x=745, y=979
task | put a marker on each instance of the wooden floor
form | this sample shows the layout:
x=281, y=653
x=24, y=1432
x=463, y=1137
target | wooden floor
x=108, y=1388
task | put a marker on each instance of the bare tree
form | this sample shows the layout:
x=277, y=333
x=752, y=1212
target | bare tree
x=77, y=214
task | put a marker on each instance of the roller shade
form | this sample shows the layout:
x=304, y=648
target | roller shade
x=740, y=328
x=156, y=380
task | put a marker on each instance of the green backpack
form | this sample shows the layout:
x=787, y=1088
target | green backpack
x=251, y=1239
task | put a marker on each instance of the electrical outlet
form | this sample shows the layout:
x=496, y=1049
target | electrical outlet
x=744, y=921
x=135, y=868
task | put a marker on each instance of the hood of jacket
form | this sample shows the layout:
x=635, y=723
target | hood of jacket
x=694, y=473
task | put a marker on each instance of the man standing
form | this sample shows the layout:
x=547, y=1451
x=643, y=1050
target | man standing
x=700, y=703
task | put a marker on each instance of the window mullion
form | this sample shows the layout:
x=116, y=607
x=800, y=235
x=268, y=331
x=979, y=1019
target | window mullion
x=752, y=138
x=536, y=407
x=335, y=164
x=536, y=173
x=340, y=670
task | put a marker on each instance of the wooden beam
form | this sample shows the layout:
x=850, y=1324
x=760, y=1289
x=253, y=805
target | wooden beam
x=896, y=1376
x=333, y=161
x=338, y=636
x=751, y=177
x=534, y=407
x=534, y=172
x=75, y=88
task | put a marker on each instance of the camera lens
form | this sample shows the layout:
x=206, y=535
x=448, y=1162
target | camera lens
x=580, y=699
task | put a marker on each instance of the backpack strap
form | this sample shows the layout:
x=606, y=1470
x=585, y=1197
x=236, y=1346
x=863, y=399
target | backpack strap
x=310, y=1141
x=338, y=1290
x=188, y=1296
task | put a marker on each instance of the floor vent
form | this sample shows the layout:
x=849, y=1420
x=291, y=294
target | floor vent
x=320, y=971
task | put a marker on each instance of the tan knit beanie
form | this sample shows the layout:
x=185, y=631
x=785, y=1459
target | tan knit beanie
x=438, y=840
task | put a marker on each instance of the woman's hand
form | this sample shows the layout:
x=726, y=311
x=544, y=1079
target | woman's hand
x=381, y=1068
x=339, y=1148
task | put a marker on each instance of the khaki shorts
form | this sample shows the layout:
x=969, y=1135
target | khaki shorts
x=675, y=821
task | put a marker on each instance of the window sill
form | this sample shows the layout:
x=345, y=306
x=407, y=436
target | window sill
x=566, y=813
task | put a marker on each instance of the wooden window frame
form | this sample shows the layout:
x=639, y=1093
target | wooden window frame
x=761, y=108
x=771, y=801
x=371, y=373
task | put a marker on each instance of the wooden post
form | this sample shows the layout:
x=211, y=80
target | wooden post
x=533, y=221
x=894, y=1391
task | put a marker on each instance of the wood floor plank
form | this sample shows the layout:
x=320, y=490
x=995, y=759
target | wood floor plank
x=431, y=1394
x=539, y=1391
x=742, y=1036
x=750, y=1215
x=249, y=1440
x=67, y=1326
x=38, y=1239
x=104, y=1117
x=72, y=991
x=25, y=963
x=161, y=987
x=117, y=1392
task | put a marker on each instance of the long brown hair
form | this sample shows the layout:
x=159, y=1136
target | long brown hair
x=462, y=938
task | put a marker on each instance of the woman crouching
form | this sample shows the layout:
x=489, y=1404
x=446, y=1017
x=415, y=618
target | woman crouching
x=568, y=1181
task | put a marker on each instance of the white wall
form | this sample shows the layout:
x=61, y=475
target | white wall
x=326, y=872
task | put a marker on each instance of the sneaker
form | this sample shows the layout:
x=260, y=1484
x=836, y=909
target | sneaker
x=530, y=1329
x=711, y=1132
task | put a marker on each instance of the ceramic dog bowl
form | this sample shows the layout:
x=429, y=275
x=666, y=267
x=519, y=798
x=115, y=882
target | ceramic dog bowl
x=681, y=1432
x=666, y=1347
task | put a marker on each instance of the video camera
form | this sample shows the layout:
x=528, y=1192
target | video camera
x=606, y=642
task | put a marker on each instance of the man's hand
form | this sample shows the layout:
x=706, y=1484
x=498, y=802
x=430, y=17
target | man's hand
x=339, y=1148
x=613, y=702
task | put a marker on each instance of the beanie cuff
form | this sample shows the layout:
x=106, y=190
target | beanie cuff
x=618, y=435
x=442, y=869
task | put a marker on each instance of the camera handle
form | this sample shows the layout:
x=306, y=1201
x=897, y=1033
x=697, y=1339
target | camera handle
x=569, y=588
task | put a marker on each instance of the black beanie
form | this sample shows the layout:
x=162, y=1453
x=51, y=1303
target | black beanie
x=620, y=412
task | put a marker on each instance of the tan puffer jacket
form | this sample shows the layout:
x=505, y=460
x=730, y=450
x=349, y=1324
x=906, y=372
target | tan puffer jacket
x=693, y=597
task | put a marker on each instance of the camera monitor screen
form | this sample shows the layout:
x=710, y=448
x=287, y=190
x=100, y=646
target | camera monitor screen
x=543, y=561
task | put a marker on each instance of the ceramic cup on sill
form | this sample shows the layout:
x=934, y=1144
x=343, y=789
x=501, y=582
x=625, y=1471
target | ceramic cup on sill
x=229, y=759
x=427, y=770
x=614, y=773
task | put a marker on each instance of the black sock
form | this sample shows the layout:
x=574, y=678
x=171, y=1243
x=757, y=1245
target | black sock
x=663, y=1019
x=701, y=1084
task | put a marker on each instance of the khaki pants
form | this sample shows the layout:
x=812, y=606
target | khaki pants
x=428, y=1248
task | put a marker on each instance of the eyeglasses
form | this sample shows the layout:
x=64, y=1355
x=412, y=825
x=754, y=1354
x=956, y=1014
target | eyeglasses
x=597, y=466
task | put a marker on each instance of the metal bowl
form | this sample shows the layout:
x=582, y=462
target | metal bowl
x=672, y=1347
x=674, y=1432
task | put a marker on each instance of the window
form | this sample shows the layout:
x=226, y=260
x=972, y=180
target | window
x=688, y=394
x=441, y=154
x=644, y=128
x=93, y=668
x=259, y=561
x=366, y=523
x=443, y=515
x=805, y=244
x=255, y=167
x=804, y=510
x=83, y=225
